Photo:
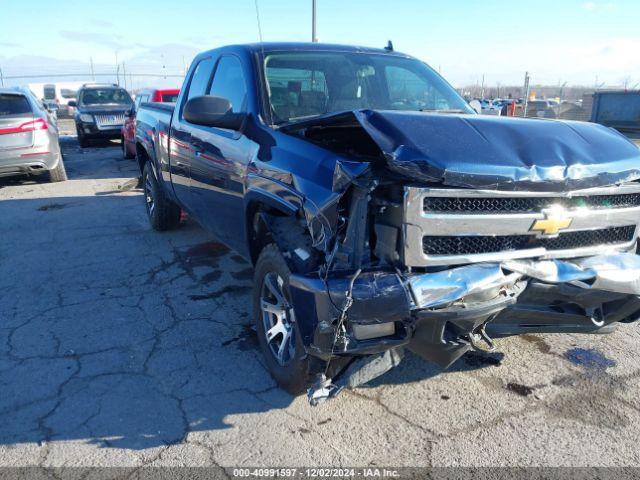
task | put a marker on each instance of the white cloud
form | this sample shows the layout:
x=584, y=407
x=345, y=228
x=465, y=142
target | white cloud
x=599, y=7
x=577, y=62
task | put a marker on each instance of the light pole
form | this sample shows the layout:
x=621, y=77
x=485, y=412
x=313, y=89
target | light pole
x=525, y=100
x=314, y=37
x=117, y=69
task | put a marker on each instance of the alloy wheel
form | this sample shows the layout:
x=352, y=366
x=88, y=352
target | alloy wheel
x=276, y=319
x=148, y=195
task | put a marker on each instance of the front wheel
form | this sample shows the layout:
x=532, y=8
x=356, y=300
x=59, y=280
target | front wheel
x=162, y=212
x=82, y=140
x=276, y=326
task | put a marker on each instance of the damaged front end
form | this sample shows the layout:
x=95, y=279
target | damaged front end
x=442, y=315
x=436, y=256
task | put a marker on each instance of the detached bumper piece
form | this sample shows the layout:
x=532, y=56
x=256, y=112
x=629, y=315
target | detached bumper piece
x=369, y=317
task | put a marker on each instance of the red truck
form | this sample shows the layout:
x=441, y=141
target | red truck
x=128, y=137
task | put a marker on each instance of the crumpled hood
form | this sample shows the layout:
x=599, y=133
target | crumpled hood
x=475, y=151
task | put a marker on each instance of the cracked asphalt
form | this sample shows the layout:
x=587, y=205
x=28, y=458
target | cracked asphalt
x=121, y=346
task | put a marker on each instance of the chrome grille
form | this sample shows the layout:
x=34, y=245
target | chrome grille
x=527, y=205
x=459, y=226
x=114, y=120
x=438, y=245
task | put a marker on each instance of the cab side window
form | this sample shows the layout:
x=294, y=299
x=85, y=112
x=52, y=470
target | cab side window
x=229, y=82
x=200, y=78
x=141, y=99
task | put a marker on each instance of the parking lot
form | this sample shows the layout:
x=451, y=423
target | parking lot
x=122, y=346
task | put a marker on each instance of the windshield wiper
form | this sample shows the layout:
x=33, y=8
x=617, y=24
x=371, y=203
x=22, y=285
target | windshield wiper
x=294, y=120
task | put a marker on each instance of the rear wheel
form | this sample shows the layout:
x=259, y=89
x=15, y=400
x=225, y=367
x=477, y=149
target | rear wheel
x=277, y=329
x=58, y=174
x=163, y=213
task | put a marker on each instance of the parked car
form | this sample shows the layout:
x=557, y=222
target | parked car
x=381, y=213
x=100, y=112
x=28, y=137
x=489, y=107
x=128, y=133
x=540, y=109
x=60, y=93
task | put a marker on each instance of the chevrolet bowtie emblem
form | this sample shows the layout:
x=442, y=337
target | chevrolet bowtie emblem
x=552, y=224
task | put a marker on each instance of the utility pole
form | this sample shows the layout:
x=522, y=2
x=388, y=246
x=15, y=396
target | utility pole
x=314, y=36
x=1, y=78
x=561, y=91
x=482, y=88
x=117, y=69
x=525, y=100
x=93, y=74
x=124, y=75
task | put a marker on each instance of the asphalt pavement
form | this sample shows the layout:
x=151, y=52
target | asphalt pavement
x=122, y=346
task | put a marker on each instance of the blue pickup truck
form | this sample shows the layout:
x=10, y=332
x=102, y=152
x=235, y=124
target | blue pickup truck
x=381, y=213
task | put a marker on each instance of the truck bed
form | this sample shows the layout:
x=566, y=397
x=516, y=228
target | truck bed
x=167, y=107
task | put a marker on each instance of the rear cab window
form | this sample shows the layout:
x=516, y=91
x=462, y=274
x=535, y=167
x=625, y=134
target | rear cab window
x=297, y=92
x=11, y=105
x=169, y=97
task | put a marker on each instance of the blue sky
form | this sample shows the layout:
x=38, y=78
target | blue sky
x=556, y=40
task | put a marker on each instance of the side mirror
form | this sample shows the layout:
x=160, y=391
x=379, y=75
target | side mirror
x=72, y=103
x=476, y=105
x=211, y=111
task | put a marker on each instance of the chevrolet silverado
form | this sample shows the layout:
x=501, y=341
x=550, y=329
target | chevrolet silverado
x=381, y=213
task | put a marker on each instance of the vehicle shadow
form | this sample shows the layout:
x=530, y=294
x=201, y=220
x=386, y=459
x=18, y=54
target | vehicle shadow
x=117, y=335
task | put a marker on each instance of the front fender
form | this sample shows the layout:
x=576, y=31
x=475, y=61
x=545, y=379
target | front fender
x=273, y=194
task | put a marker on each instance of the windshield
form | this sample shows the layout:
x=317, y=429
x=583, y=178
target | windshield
x=106, y=96
x=308, y=84
x=67, y=93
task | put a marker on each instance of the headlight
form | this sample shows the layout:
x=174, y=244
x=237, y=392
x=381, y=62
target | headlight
x=87, y=118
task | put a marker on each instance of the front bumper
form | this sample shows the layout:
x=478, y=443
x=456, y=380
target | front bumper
x=92, y=130
x=437, y=314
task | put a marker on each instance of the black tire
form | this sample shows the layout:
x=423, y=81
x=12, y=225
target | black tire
x=125, y=154
x=162, y=212
x=294, y=376
x=82, y=140
x=58, y=174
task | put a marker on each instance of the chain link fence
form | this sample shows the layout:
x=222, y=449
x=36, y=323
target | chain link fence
x=535, y=98
x=541, y=98
x=132, y=76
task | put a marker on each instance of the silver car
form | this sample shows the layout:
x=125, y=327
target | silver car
x=28, y=137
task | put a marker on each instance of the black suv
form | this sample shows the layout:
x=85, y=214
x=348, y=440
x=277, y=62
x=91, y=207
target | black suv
x=100, y=113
